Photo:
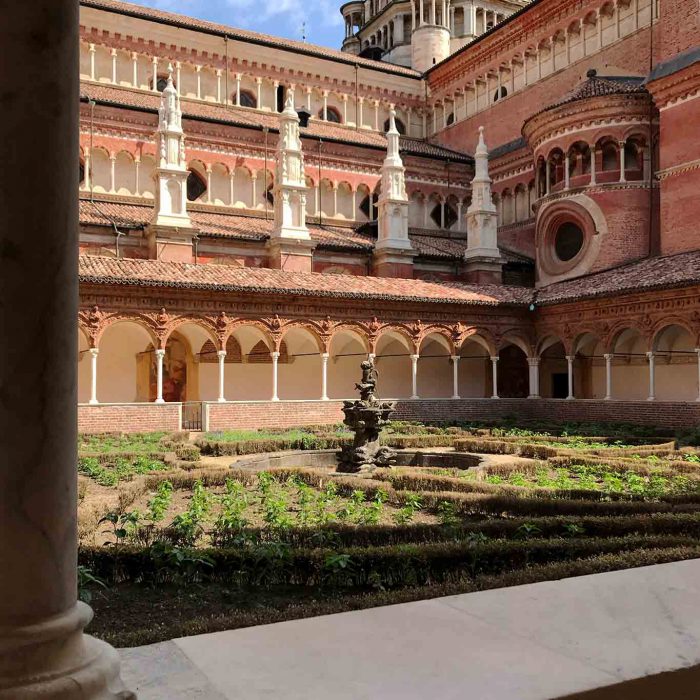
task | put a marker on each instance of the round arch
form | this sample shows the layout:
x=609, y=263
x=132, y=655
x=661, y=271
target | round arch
x=300, y=376
x=435, y=365
x=393, y=349
x=346, y=349
x=676, y=360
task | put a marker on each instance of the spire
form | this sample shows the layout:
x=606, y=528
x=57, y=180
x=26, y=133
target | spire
x=172, y=172
x=392, y=230
x=290, y=181
x=482, y=255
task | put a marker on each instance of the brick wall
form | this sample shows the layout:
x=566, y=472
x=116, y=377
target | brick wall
x=129, y=418
x=661, y=414
x=680, y=26
x=271, y=414
x=288, y=414
x=504, y=120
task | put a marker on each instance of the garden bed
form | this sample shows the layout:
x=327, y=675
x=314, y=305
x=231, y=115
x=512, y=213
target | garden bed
x=193, y=545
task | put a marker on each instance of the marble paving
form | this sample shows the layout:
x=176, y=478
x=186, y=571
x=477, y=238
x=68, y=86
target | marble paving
x=536, y=642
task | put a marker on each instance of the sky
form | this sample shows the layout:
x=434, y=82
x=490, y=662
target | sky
x=284, y=18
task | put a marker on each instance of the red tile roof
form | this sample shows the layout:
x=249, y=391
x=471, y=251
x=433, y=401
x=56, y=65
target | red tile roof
x=177, y=20
x=253, y=118
x=153, y=273
x=600, y=86
x=680, y=270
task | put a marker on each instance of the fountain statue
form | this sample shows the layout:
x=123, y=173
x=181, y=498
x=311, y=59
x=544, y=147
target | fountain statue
x=366, y=418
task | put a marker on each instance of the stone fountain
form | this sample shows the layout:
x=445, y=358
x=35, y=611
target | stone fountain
x=366, y=418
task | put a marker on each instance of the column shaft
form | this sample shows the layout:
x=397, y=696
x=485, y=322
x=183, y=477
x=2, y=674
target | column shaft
x=324, y=376
x=608, y=376
x=160, y=354
x=534, y=377
x=494, y=377
x=222, y=364
x=44, y=651
x=455, y=376
x=414, y=376
x=94, y=352
x=570, y=368
x=651, y=357
x=275, y=358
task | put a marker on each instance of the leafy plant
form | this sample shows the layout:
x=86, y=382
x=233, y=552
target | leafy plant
x=85, y=579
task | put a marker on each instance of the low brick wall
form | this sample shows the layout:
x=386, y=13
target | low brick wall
x=664, y=414
x=129, y=417
x=271, y=414
x=147, y=417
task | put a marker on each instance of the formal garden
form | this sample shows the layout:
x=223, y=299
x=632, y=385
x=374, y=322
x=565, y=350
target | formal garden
x=183, y=534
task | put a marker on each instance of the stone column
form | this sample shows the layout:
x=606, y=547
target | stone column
x=623, y=165
x=534, y=377
x=414, y=376
x=113, y=173
x=275, y=358
x=218, y=85
x=567, y=174
x=455, y=376
x=113, y=54
x=494, y=377
x=258, y=103
x=238, y=89
x=570, y=371
x=652, y=376
x=593, y=165
x=608, y=376
x=324, y=376
x=135, y=69
x=94, y=352
x=222, y=364
x=154, y=82
x=325, y=105
x=160, y=354
x=43, y=651
x=548, y=178
x=92, y=50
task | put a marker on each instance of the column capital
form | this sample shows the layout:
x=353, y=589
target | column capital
x=495, y=358
x=415, y=358
x=570, y=358
x=94, y=352
x=651, y=355
x=533, y=361
x=325, y=356
x=275, y=355
x=221, y=353
x=160, y=352
x=455, y=358
x=608, y=356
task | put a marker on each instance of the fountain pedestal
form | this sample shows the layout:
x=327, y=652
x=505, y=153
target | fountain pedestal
x=366, y=418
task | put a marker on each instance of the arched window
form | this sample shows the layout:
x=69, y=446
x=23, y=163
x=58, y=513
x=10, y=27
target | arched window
x=248, y=99
x=611, y=160
x=332, y=115
x=400, y=126
x=196, y=186
x=450, y=118
x=500, y=93
x=281, y=97
x=162, y=82
x=368, y=206
x=82, y=172
x=450, y=215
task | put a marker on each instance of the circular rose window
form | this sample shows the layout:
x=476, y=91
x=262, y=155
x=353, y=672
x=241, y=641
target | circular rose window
x=568, y=241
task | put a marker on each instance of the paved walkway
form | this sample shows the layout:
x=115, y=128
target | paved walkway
x=534, y=642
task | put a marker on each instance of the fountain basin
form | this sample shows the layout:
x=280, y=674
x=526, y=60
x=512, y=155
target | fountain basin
x=328, y=459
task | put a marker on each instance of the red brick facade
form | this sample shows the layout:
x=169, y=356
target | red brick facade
x=129, y=418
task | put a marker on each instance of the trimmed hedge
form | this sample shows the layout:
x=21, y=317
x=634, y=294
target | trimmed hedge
x=371, y=567
x=246, y=447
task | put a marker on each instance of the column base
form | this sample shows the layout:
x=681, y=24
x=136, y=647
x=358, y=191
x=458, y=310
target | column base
x=54, y=660
x=221, y=400
x=95, y=402
x=534, y=396
x=456, y=398
x=159, y=401
x=651, y=398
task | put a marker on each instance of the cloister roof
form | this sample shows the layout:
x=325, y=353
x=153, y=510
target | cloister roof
x=225, y=278
x=661, y=272
x=428, y=243
x=245, y=35
x=252, y=118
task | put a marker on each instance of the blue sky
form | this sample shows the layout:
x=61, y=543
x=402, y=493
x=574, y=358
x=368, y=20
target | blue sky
x=324, y=23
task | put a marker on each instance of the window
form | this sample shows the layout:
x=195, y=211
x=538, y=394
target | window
x=281, y=97
x=332, y=115
x=450, y=215
x=568, y=241
x=248, y=99
x=269, y=196
x=162, y=82
x=400, y=126
x=368, y=206
x=611, y=159
x=450, y=118
x=82, y=172
x=196, y=186
x=500, y=94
